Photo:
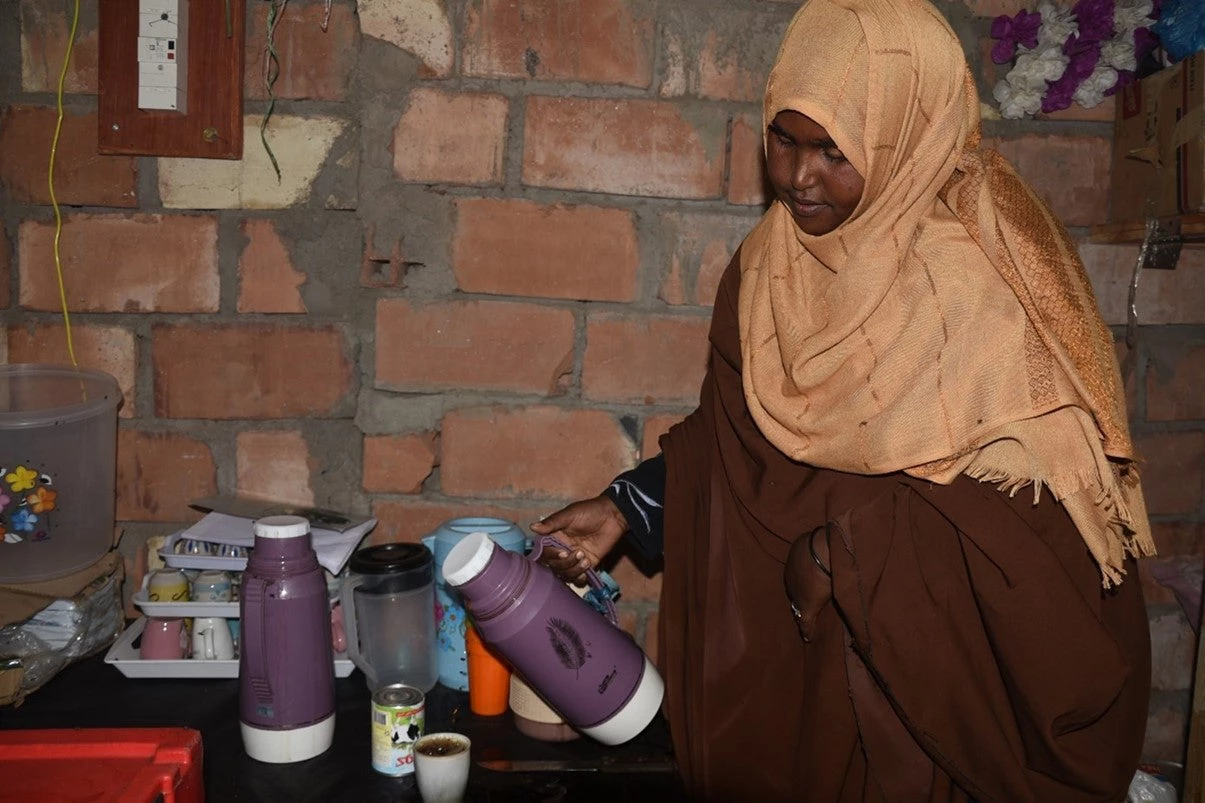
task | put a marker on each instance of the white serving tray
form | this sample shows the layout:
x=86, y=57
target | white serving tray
x=181, y=610
x=170, y=558
x=124, y=655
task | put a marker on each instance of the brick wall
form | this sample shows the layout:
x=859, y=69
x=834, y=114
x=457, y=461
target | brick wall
x=482, y=284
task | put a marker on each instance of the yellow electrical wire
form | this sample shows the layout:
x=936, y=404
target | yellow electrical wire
x=58, y=217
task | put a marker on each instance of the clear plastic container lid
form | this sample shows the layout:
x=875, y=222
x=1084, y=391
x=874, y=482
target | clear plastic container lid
x=38, y=395
x=393, y=568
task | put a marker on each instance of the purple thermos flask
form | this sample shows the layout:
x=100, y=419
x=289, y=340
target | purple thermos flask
x=286, y=664
x=579, y=661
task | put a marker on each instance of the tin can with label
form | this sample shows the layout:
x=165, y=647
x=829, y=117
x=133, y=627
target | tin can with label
x=398, y=719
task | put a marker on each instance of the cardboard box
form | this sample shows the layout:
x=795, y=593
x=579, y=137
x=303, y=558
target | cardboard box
x=1159, y=144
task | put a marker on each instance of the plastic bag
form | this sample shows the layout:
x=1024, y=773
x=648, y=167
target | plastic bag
x=1147, y=788
x=1181, y=28
x=62, y=632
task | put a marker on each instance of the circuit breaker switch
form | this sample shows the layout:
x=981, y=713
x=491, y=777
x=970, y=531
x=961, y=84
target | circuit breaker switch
x=162, y=55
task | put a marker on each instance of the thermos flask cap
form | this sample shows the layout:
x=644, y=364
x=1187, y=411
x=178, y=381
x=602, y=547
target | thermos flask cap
x=468, y=558
x=281, y=527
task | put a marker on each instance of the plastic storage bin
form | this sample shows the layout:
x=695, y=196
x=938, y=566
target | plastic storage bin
x=122, y=765
x=58, y=464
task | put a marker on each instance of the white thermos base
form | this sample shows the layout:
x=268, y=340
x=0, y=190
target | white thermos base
x=627, y=723
x=287, y=746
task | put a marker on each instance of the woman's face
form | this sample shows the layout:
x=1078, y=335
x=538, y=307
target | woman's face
x=809, y=173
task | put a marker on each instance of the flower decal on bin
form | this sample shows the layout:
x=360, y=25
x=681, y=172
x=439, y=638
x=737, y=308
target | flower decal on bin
x=27, y=498
x=21, y=478
x=41, y=500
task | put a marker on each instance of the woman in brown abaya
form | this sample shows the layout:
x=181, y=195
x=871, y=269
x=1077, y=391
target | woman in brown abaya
x=900, y=529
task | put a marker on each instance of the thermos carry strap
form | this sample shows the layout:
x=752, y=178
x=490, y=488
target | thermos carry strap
x=592, y=577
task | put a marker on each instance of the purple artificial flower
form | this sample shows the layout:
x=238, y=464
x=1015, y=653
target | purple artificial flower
x=1083, y=61
x=1013, y=31
x=1057, y=98
x=1124, y=77
x=1094, y=19
x=1145, y=41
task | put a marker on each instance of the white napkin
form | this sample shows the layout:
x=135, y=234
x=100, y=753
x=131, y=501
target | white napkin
x=332, y=547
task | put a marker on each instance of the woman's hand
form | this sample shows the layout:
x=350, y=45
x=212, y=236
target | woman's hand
x=590, y=528
x=808, y=579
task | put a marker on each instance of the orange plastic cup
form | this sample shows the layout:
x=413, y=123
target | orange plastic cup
x=489, y=677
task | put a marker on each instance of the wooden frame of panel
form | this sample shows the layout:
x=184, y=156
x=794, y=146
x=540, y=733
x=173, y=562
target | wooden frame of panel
x=212, y=125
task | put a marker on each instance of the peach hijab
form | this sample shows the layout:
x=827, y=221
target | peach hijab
x=948, y=326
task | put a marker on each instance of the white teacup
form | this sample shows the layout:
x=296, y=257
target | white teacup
x=211, y=639
x=167, y=585
x=441, y=767
x=212, y=585
x=191, y=546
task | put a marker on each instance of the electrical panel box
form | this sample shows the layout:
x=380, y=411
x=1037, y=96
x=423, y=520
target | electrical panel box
x=163, y=54
x=193, y=106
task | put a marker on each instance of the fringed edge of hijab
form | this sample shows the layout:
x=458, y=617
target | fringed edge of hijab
x=1103, y=494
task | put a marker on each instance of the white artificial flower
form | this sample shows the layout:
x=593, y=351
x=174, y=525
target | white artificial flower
x=1057, y=25
x=1017, y=102
x=1020, y=92
x=1118, y=53
x=1130, y=15
x=1092, y=91
x=1036, y=68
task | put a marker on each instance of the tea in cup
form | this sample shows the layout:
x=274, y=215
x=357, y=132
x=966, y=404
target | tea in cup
x=441, y=767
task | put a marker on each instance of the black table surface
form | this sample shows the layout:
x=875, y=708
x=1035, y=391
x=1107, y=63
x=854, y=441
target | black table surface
x=91, y=693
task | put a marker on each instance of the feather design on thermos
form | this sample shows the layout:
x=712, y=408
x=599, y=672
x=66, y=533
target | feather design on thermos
x=567, y=644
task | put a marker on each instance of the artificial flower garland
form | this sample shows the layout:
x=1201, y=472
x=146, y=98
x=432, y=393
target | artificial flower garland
x=1060, y=56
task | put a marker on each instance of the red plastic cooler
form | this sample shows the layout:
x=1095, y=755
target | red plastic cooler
x=114, y=765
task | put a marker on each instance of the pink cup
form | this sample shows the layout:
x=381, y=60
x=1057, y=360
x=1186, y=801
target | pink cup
x=164, y=640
